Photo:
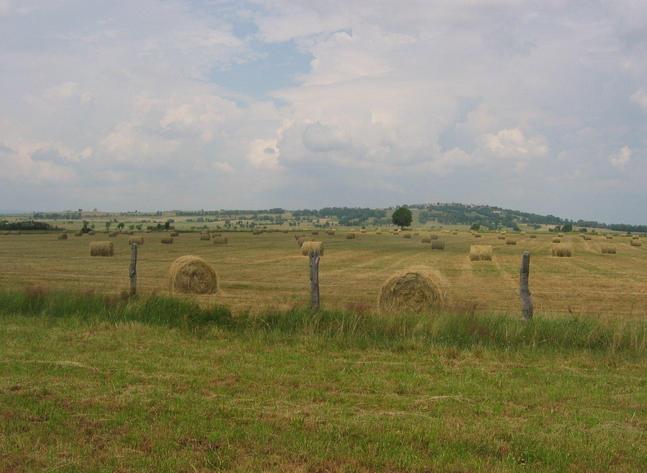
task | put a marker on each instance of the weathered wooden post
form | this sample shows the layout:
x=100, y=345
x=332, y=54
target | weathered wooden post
x=524, y=290
x=133, y=269
x=314, y=279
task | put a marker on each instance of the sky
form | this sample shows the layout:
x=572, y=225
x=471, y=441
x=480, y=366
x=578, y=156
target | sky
x=209, y=104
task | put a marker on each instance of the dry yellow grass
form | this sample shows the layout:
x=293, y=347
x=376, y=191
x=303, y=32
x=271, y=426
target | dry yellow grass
x=263, y=271
x=205, y=236
x=136, y=239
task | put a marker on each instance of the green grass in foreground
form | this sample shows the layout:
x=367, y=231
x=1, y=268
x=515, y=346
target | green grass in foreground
x=89, y=383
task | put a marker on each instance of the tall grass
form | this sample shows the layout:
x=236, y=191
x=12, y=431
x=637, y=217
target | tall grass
x=461, y=330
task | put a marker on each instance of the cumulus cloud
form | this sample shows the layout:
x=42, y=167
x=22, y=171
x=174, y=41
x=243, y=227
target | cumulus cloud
x=620, y=158
x=409, y=101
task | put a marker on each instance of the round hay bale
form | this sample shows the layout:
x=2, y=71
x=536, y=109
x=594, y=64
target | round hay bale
x=62, y=236
x=205, y=236
x=136, y=239
x=557, y=240
x=113, y=234
x=636, y=243
x=438, y=245
x=331, y=232
x=315, y=247
x=220, y=240
x=350, y=236
x=532, y=236
x=175, y=234
x=477, y=235
x=407, y=236
x=481, y=253
x=314, y=233
x=562, y=251
x=511, y=241
x=412, y=291
x=608, y=250
x=101, y=248
x=192, y=275
x=167, y=241
x=425, y=240
x=501, y=237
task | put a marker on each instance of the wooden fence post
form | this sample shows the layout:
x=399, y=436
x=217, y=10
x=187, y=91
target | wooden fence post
x=524, y=290
x=133, y=269
x=314, y=279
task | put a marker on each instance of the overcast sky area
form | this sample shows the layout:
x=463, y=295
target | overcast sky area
x=151, y=104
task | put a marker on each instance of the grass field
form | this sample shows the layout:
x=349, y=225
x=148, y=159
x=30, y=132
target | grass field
x=90, y=383
x=264, y=271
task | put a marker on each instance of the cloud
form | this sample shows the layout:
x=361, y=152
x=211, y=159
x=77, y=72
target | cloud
x=620, y=158
x=408, y=102
x=639, y=97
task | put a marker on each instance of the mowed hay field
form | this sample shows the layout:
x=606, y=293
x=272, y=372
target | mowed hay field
x=263, y=271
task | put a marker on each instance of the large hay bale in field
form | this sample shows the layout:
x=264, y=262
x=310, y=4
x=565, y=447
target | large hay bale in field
x=257, y=232
x=501, y=237
x=477, y=235
x=407, y=236
x=557, y=240
x=113, y=234
x=175, y=234
x=62, y=236
x=437, y=244
x=511, y=241
x=587, y=238
x=532, y=236
x=608, y=250
x=412, y=291
x=167, y=241
x=454, y=232
x=481, y=252
x=314, y=233
x=350, y=236
x=192, y=275
x=205, y=236
x=636, y=243
x=331, y=232
x=378, y=232
x=425, y=240
x=315, y=247
x=561, y=235
x=101, y=248
x=609, y=237
x=562, y=251
x=139, y=240
x=302, y=239
x=220, y=240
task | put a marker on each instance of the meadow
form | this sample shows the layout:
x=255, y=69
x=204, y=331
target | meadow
x=90, y=383
x=267, y=271
x=249, y=379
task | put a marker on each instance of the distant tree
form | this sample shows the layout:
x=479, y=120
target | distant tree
x=567, y=227
x=108, y=223
x=402, y=217
x=120, y=226
x=85, y=228
x=138, y=226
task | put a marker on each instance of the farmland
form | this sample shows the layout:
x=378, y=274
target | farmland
x=264, y=271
